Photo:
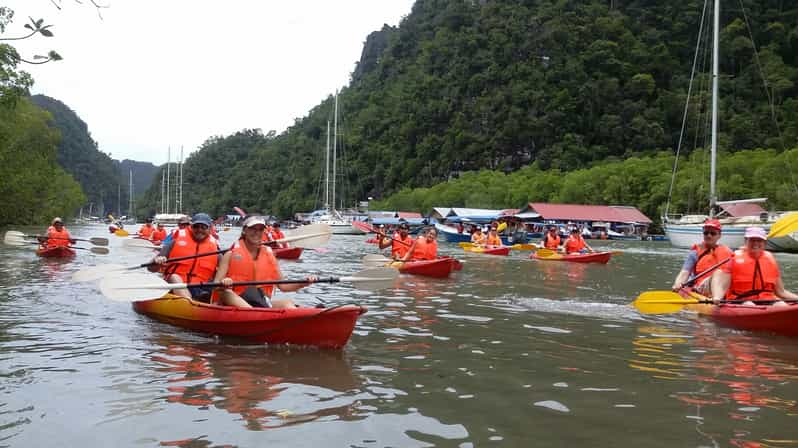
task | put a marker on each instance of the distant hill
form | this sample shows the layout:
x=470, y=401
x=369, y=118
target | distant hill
x=103, y=180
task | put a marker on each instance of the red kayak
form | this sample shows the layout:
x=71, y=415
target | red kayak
x=499, y=250
x=761, y=318
x=595, y=257
x=319, y=327
x=287, y=253
x=440, y=268
x=56, y=252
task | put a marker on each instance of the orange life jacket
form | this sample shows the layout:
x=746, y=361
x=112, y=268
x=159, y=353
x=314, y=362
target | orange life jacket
x=399, y=249
x=494, y=240
x=158, y=235
x=146, y=230
x=425, y=250
x=194, y=270
x=752, y=278
x=708, y=258
x=478, y=238
x=551, y=242
x=56, y=238
x=244, y=269
x=574, y=243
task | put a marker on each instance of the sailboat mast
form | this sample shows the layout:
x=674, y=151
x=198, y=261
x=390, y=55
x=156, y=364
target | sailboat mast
x=714, y=150
x=335, y=147
x=168, y=177
x=163, y=182
x=327, y=171
x=180, y=193
x=130, y=197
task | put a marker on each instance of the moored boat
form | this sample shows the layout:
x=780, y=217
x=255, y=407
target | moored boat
x=760, y=318
x=319, y=327
x=55, y=252
x=595, y=257
x=287, y=253
x=439, y=268
x=498, y=250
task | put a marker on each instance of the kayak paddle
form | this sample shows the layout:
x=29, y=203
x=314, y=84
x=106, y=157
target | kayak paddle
x=784, y=226
x=22, y=242
x=547, y=253
x=138, y=243
x=97, y=272
x=376, y=260
x=665, y=302
x=97, y=241
x=366, y=227
x=121, y=232
x=524, y=246
x=126, y=288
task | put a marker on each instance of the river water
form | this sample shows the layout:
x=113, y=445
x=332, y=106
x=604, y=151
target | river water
x=507, y=352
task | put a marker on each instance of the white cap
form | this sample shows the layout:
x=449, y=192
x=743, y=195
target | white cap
x=253, y=221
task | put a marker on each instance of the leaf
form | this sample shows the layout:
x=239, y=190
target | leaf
x=54, y=56
x=45, y=32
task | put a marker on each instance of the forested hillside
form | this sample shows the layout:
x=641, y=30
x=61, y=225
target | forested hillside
x=469, y=85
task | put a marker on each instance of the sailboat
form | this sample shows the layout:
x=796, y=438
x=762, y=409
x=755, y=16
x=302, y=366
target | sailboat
x=688, y=230
x=340, y=224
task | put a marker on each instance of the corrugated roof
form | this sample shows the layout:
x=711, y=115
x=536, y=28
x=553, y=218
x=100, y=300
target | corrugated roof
x=473, y=212
x=742, y=209
x=573, y=212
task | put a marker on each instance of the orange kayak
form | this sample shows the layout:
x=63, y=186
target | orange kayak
x=439, y=268
x=287, y=253
x=56, y=252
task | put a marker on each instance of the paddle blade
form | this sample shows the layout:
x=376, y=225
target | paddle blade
x=99, y=250
x=307, y=239
x=364, y=226
x=139, y=244
x=133, y=287
x=97, y=241
x=501, y=226
x=14, y=238
x=96, y=272
x=547, y=253
x=662, y=302
x=121, y=232
x=525, y=246
x=373, y=279
x=376, y=260
x=784, y=226
x=465, y=245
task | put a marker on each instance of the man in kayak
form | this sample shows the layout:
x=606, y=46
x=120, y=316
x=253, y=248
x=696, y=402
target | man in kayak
x=551, y=240
x=400, y=242
x=250, y=260
x=159, y=234
x=57, y=235
x=194, y=270
x=493, y=239
x=425, y=247
x=478, y=238
x=575, y=244
x=752, y=275
x=146, y=230
x=701, y=257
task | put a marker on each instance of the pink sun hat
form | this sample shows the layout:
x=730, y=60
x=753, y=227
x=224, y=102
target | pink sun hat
x=756, y=232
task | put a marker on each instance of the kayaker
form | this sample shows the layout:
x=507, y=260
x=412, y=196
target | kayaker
x=57, y=235
x=146, y=230
x=400, y=242
x=278, y=234
x=478, y=238
x=250, y=260
x=752, y=275
x=182, y=226
x=701, y=257
x=425, y=247
x=493, y=239
x=159, y=234
x=551, y=240
x=195, y=240
x=575, y=243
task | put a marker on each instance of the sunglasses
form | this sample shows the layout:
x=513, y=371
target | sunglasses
x=199, y=226
x=711, y=232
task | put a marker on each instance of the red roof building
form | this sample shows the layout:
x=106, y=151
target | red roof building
x=573, y=212
x=742, y=209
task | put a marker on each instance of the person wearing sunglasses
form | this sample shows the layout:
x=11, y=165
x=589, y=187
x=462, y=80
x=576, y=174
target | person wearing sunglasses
x=703, y=256
x=184, y=243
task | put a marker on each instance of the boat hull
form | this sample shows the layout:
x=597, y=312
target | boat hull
x=764, y=319
x=451, y=234
x=55, y=252
x=786, y=243
x=287, y=253
x=501, y=251
x=596, y=257
x=686, y=235
x=319, y=327
x=438, y=268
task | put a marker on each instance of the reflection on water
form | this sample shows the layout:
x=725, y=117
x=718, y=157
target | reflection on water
x=508, y=351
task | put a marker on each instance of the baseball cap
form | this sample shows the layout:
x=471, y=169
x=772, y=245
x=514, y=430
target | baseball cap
x=57, y=219
x=756, y=232
x=184, y=220
x=201, y=218
x=254, y=221
x=712, y=224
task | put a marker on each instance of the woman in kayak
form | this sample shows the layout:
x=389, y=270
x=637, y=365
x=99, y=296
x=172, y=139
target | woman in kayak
x=159, y=234
x=493, y=239
x=703, y=256
x=57, y=235
x=551, y=240
x=250, y=260
x=400, y=242
x=425, y=247
x=752, y=275
x=478, y=238
x=575, y=244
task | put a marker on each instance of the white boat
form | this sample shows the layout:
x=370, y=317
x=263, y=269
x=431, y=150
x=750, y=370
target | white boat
x=688, y=230
x=339, y=223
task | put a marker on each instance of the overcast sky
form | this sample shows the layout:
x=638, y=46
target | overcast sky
x=155, y=73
